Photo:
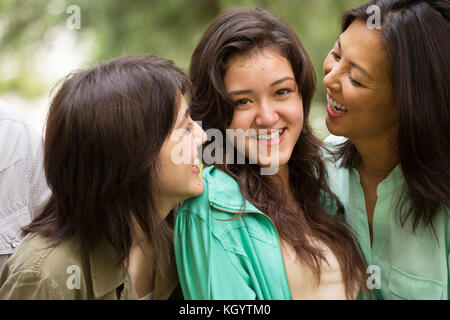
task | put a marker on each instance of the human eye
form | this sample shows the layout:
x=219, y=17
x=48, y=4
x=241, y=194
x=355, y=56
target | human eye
x=244, y=101
x=354, y=82
x=335, y=56
x=283, y=92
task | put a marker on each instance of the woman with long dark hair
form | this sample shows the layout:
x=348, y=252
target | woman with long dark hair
x=252, y=235
x=106, y=232
x=388, y=98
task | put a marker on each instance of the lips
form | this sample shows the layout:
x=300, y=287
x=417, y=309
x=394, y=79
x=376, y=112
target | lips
x=195, y=169
x=335, y=109
x=275, y=139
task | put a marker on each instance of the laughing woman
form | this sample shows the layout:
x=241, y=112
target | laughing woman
x=388, y=100
x=249, y=235
x=106, y=232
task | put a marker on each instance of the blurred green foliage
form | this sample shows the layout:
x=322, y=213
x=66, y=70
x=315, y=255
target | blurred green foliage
x=167, y=28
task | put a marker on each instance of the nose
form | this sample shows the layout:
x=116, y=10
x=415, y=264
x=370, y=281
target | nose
x=331, y=70
x=200, y=133
x=267, y=115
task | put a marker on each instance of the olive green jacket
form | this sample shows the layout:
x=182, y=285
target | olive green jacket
x=37, y=271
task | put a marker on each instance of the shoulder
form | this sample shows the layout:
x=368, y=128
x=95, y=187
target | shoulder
x=334, y=140
x=13, y=121
x=7, y=112
x=220, y=189
x=217, y=209
x=330, y=145
x=337, y=175
x=17, y=137
x=38, y=260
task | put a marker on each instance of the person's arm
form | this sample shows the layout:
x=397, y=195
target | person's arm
x=207, y=270
x=39, y=190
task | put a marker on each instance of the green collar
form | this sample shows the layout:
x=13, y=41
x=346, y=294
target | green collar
x=224, y=192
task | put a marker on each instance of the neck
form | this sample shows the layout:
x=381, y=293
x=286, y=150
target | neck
x=164, y=205
x=376, y=157
x=283, y=174
x=141, y=262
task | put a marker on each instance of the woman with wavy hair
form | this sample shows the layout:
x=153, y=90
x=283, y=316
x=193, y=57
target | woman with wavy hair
x=252, y=235
x=106, y=232
x=388, y=110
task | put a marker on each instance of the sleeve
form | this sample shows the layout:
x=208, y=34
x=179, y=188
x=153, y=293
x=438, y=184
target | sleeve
x=29, y=285
x=206, y=270
x=39, y=190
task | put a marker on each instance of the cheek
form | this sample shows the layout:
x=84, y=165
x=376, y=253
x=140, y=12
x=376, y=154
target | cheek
x=356, y=99
x=293, y=114
x=241, y=120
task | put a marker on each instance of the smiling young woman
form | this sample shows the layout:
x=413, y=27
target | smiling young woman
x=108, y=161
x=254, y=236
x=388, y=97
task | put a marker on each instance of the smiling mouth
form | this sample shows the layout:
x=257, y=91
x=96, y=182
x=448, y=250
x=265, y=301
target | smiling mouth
x=266, y=136
x=335, y=106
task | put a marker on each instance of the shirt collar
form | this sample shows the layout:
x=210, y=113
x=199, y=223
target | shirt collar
x=107, y=271
x=393, y=181
x=224, y=192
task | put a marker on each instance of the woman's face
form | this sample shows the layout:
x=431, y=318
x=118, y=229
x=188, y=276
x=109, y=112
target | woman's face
x=267, y=100
x=178, y=160
x=359, y=88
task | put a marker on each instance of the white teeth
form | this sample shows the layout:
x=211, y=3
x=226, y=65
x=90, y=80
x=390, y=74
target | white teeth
x=274, y=134
x=335, y=106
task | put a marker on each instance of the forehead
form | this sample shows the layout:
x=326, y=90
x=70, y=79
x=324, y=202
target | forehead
x=365, y=47
x=262, y=65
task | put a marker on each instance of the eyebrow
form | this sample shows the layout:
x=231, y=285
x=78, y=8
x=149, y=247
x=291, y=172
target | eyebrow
x=353, y=64
x=273, y=84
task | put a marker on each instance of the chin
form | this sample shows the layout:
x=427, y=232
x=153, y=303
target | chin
x=282, y=162
x=197, y=188
x=333, y=130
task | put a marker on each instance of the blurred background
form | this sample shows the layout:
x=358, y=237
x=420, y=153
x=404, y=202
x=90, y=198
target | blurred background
x=41, y=41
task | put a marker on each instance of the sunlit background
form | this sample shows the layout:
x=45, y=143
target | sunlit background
x=40, y=42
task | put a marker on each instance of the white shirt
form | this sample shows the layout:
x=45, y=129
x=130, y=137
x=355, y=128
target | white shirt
x=23, y=188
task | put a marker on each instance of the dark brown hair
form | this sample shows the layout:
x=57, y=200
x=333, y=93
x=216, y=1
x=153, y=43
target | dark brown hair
x=243, y=31
x=105, y=128
x=416, y=38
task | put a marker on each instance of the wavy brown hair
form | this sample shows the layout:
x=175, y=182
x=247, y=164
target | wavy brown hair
x=243, y=31
x=104, y=131
x=415, y=34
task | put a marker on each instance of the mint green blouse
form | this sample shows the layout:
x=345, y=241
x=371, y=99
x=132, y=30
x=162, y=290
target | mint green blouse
x=402, y=264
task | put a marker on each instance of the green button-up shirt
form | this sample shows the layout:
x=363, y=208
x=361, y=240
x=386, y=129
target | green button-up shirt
x=402, y=264
x=222, y=256
x=39, y=271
